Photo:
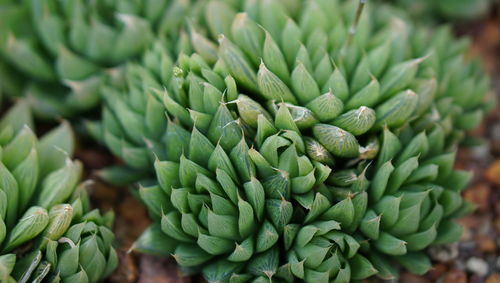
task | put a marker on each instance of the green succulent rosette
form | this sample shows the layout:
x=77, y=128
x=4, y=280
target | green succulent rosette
x=133, y=120
x=69, y=49
x=413, y=199
x=238, y=213
x=234, y=212
x=47, y=231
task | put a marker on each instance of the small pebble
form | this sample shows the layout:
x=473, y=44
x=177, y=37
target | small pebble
x=477, y=266
x=482, y=153
x=444, y=253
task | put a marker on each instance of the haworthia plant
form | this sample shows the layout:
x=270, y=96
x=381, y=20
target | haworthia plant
x=68, y=49
x=234, y=212
x=47, y=231
x=302, y=141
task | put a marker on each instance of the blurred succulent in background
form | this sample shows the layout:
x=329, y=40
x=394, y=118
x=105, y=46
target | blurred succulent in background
x=454, y=10
x=133, y=118
x=47, y=230
x=255, y=125
x=69, y=49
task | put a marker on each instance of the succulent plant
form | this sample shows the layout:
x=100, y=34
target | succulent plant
x=241, y=213
x=133, y=118
x=47, y=230
x=256, y=124
x=68, y=50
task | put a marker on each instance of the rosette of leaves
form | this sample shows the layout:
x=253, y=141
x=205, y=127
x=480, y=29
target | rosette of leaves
x=67, y=50
x=235, y=212
x=302, y=185
x=47, y=230
x=133, y=120
x=413, y=199
x=238, y=213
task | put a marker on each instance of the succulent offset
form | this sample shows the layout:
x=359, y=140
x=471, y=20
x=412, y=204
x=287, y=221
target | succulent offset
x=296, y=150
x=47, y=230
x=68, y=49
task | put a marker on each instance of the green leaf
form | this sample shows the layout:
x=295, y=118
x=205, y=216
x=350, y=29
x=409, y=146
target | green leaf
x=356, y=122
x=274, y=58
x=267, y=237
x=154, y=241
x=60, y=217
x=223, y=226
x=33, y=222
x=246, y=218
x=190, y=255
x=255, y=194
x=390, y=245
x=60, y=185
x=370, y=225
x=243, y=251
x=214, y=245
x=388, y=208
x=417, y=263
x=279, y=212
x=7, y=263
x=250, y=110
x=237, y=64
x=337, y=141
x=326, y=107
x=272, y=87
x=397, y=110
x=304, y=85
x=248, y=35
x=265, y=264
x=361, y=267
x=399, y=76
x=367, y=96
x=167, y=174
